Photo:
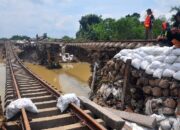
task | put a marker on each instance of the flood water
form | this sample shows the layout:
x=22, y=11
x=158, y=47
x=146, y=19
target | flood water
x=72, y=78
x=2, y=80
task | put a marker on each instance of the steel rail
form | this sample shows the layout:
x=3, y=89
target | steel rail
x=83, y=117
x=25, y=120
x=66, y=43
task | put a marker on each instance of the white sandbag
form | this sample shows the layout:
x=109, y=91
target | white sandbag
x=168, y=73
x=175, y=67
x=124, y=58
x=125, y=52
x=136, y=63
x=135, y=126
x=155, y=65
x=149, y=58
x=160, y=58
x=149, y=70
x=177, y=60
x=176, y=51
x=165, y=125
x=177, y=75
x=168, y=51
x=65, y=100
x=158, y=73
x=176, y=124
x=159, y=118
x=136, y=56
x=15, y=106
x=141, y=53
x=170, y=59
x=144, y=64
x=153, y=50
x=118, y=55
x=157, y=51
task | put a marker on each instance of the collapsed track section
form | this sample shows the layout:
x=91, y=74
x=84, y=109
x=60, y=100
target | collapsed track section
x=22, y=83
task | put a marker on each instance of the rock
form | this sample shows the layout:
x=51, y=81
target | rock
x=156, y=91
x=175, y=92
x=164, y=83
x=147, y=89
x=119, y=105
x=157, y=81
x=117, y=66
x=177, y=111
x=175, y=85
x=110, y=63
x=168, y=111
x=169, y=102
x=165, y=92
x=142, y=82
x=135, y=73
x=152, y=82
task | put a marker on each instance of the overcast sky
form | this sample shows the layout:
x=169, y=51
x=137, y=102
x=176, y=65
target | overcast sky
x=61, y=17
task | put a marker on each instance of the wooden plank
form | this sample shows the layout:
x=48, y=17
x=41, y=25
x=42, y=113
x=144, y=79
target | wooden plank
x=110, y=119
x=126, y=82
x=74, y=126
x=140, y=119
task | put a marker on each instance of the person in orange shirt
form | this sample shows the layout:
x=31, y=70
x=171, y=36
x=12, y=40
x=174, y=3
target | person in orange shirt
x=148, y=24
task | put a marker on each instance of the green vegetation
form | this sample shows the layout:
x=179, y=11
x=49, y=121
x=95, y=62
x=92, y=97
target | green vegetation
x=18, y=37
x=67, y=39
x=94, y=28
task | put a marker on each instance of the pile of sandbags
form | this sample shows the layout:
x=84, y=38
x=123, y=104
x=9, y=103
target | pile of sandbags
x=143, y=87
x=156, y=61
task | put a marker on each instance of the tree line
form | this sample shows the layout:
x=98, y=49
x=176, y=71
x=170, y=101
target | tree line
x=95, y=28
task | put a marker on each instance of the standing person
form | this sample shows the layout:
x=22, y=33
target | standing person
x=148, y=24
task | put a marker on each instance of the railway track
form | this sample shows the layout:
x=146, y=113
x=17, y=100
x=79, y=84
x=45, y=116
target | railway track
x=124, y=44
x=22, y=83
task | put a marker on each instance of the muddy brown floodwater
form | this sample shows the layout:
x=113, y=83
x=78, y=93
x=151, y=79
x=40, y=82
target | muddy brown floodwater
x=2, y=80
x=72, y=78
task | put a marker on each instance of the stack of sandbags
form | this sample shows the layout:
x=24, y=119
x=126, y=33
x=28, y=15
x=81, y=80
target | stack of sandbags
x=156, y=61
x=143, y=86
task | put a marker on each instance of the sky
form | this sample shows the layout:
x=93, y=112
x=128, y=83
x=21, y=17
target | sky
x=61, y=17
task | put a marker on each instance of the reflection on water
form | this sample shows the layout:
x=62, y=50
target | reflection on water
x=2, y=80
x=72, y=85
x=73, y=77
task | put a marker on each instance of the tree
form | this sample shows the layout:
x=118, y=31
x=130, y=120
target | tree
x=135, y=15
x=85, y=31
x=18, y=37
x=67, y=39
x=176, y=9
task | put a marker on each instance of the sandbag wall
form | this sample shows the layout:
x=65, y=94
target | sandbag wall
x=103, y=53
x=145, y=94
